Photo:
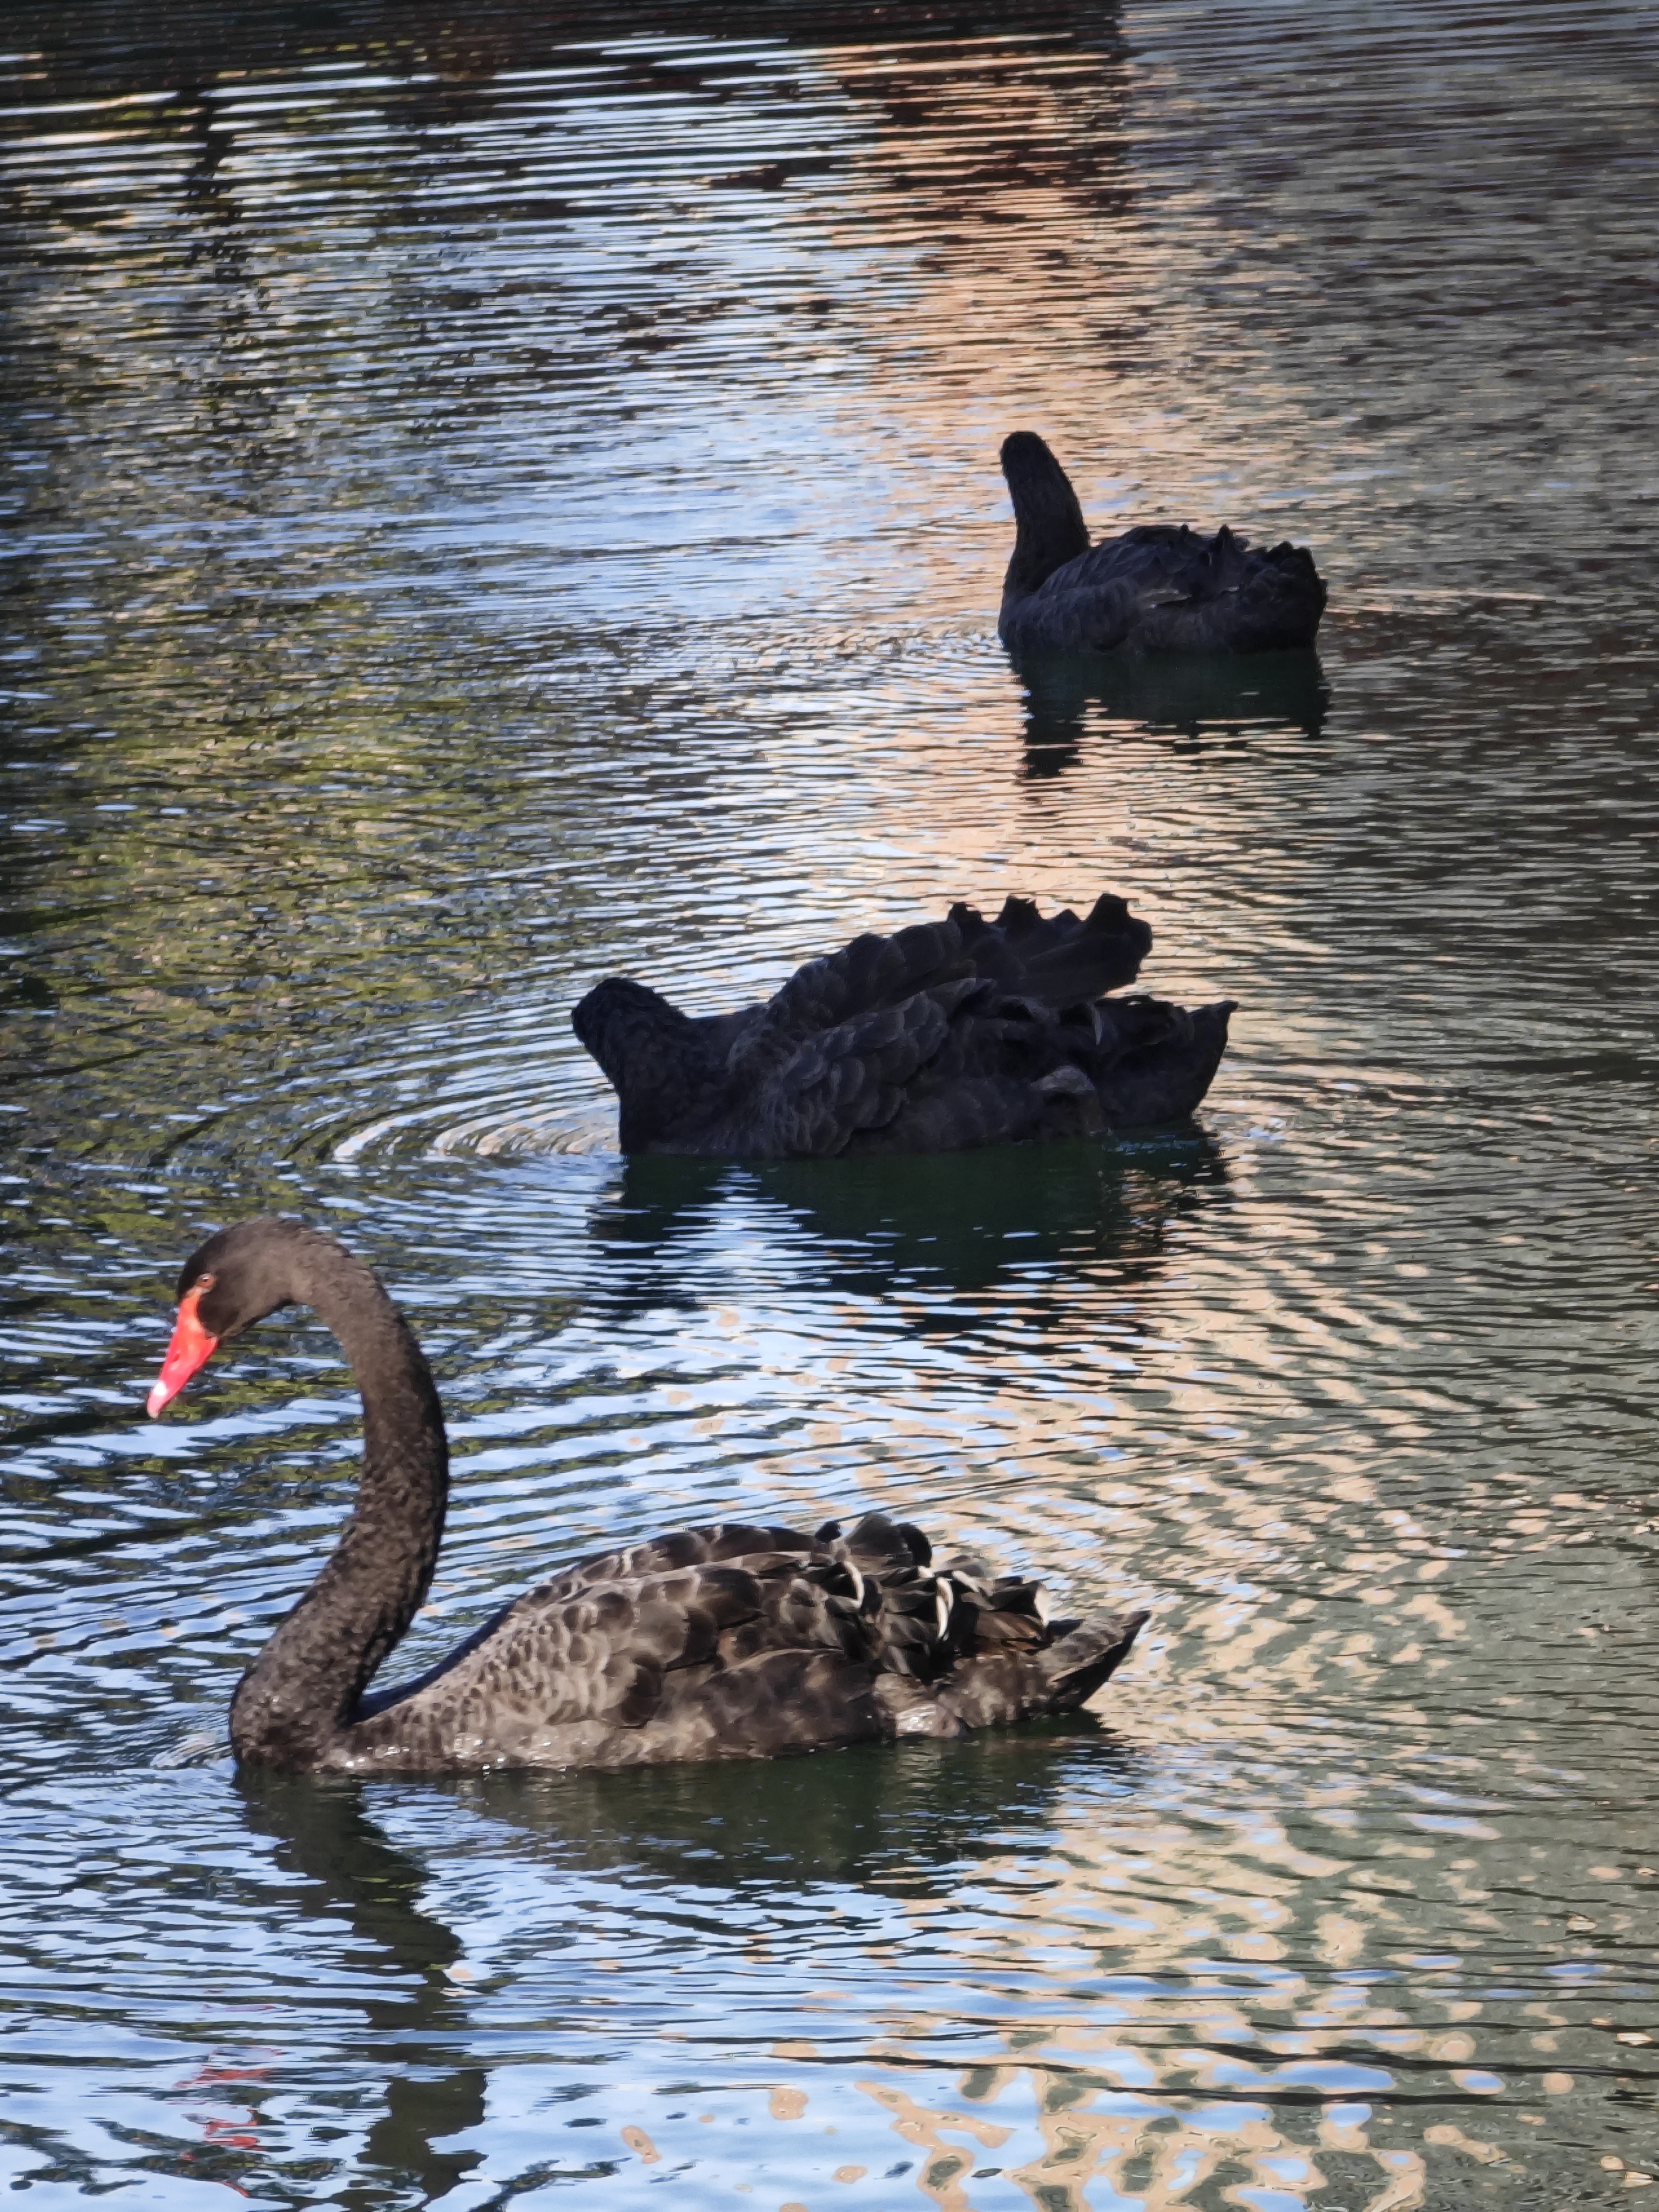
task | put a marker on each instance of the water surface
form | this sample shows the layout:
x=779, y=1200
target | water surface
x=505, y=499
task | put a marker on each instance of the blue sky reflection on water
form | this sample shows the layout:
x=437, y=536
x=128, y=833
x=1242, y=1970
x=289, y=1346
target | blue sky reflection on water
x=506, y=500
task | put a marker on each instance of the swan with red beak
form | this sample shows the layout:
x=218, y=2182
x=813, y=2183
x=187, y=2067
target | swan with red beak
x=735, y=1641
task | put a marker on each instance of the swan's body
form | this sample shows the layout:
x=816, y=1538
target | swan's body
x=732, y=1642
x=1155, y=589
x=948, y=1034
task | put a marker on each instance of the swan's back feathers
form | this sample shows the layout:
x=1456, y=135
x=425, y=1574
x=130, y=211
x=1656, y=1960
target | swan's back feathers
x=1023, y=956
x=1060, y=961
x=943, y=1035
x=736, y=1641
x=683, y=1547
x=871, y=974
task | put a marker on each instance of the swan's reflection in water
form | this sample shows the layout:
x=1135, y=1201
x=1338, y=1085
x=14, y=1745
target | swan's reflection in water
x=666, y=1959
x=908, y=1818
x=1201, y=698
x=350, y=1869
x=680, y=1869
x=962, y=1224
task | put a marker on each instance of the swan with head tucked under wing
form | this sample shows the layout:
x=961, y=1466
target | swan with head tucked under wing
x=1155, y=589
x=944, y=1035
x=728, y=1642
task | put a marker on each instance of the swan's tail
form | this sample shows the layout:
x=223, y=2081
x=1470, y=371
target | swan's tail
x=1080, y=1661
x=1157, y=1068
x=996, y=1685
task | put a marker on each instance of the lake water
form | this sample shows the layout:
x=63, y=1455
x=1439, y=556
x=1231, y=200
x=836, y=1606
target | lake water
x=506, y=497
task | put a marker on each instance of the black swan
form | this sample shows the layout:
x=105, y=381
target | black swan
x=948, y=1034
x=1157, y=589
x=729, y=1642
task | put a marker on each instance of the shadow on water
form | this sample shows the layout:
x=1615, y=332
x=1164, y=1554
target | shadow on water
x=903, y=1817
x=961, y=1221
x=348, y=1867
x=904, y=1820
x=93, y=47
x=1197, y=697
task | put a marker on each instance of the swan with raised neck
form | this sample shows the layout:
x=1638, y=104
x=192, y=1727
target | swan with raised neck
x=728, y=1642
x=1156, y=588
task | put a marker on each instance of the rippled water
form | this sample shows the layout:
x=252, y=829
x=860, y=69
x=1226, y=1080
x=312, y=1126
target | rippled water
x=510, y=497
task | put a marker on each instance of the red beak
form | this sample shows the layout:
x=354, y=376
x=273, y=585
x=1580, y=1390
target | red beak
x=191, y=1349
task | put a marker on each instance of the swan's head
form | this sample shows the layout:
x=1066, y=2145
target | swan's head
x=235, y=1279
x=1027, y=461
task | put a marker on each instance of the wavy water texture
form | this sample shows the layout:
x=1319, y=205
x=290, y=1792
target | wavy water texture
x=506, y=498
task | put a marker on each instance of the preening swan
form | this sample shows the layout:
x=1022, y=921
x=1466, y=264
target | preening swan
x=948, y=1034
x=1155, y=589
x=730, y=1642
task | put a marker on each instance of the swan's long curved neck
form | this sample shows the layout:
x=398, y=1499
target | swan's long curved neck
x=1048, y=527
x=305, y=1686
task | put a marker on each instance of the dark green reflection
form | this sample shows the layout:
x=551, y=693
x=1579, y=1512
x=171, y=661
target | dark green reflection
x=322, y=1834
x=900, y=1816
x=962, y=1222
x=1199, y=697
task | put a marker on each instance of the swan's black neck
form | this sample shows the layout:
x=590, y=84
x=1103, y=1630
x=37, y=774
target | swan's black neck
x=1050, y=528
x=305, y=1686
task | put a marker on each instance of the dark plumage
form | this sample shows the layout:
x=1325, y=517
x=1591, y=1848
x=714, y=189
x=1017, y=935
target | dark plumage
x=731, y=1642
x=1155, y=589
x=946, y=1035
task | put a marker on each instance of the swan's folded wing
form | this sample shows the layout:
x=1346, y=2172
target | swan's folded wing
x=554, y=1660
x=871, y=975
x=1106, y=596
x=825, y=1089
x=601, y=1644
x=707, y=1545
x=957, y=1115
x=772, y=1704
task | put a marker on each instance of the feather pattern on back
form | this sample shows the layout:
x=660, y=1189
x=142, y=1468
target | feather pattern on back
x=738, y=1642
